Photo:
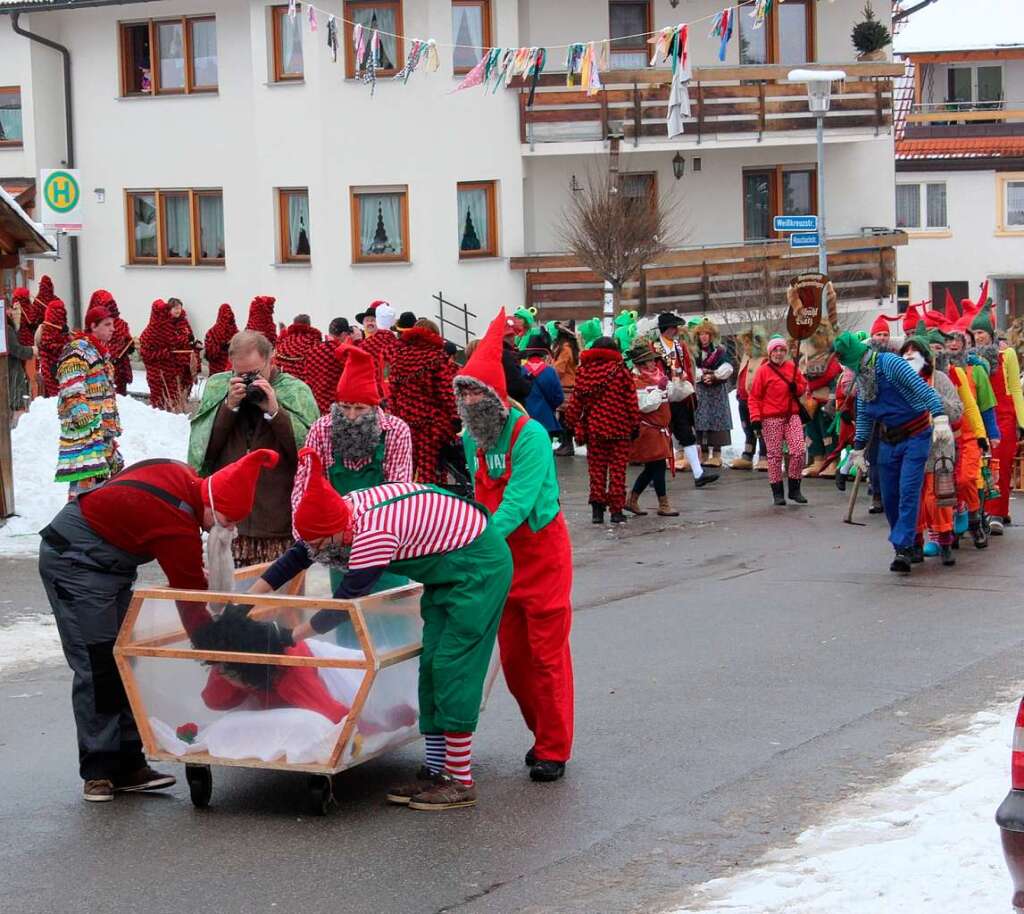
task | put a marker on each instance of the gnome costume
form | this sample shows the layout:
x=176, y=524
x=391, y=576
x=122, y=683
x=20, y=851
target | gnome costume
x=294, y=348
x=261, y=317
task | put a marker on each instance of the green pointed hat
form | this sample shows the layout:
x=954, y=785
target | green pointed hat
x=985, y=319
x=849, y=350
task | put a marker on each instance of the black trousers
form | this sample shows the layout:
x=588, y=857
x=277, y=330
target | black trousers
x=89, y=585
x=682, y=422
x=754, y=440
x=653, y=474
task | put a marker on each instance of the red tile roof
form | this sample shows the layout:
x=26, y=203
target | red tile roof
x=974, y=147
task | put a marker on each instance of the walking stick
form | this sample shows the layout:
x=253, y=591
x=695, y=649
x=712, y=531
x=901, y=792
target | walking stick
x=853, y=500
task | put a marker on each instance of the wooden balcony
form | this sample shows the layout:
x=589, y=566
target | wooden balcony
x=725, y=101
x=716, y=278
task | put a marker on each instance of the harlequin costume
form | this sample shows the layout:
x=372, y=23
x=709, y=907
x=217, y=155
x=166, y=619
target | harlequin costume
x=910, y=415
x=121, y=345
x=515, y=479
x=447, y=544
x=53, y=337
x=603, y=414
x=420, y=383
x=218, y=338
x=261, y=317
x=294, y=348
x=87, y=410
x=88, y=562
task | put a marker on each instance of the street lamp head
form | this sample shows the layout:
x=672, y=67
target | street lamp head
x=819, y=86
x=678, y=165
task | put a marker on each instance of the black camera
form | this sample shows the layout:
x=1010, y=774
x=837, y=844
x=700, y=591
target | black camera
x=253, y=394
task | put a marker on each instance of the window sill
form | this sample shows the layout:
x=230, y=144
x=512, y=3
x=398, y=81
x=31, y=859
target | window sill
x=1009, y=233
x=483, y=258
x=4, y=146
x=929, y=233
x=209, y=93
x=292, y=265
x=382, y=263
x=282, y=83
x=173, y=266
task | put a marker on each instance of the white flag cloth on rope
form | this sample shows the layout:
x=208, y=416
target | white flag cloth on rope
x=679, y=100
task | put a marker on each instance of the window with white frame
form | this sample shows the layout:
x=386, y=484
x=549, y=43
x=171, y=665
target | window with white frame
x=1011, y=202
x=974, y=87
x=921, y=206
x=902, y=297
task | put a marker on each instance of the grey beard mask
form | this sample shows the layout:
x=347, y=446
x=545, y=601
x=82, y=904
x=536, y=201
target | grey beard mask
x=941, y=360
x=332, y=555
x=354, y=440
x=484, y=419
x=990, y=354
x=220, y=563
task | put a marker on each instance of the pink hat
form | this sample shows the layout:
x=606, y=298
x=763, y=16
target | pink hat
x=777, y=342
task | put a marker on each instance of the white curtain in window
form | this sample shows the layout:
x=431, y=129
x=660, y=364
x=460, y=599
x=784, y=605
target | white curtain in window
x=380, y=223
x=211, y=227
x=908, y=205
x=177, y=228
x=10, y=119
x=1015, y=203
x=467, y=29
x=935, y=198
x=144, y=216
x=291, y=44
x=172, y=55
x=474, y=230
x=204, y=52
x=298, y=224
x=383, y=19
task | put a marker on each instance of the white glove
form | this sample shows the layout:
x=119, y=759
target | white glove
x=858, y=461
x=942, y=434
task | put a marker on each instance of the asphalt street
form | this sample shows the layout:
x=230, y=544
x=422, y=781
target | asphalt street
x=738, y=669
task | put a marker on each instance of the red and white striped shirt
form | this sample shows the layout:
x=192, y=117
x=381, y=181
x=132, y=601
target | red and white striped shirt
x=397, y=453
x=426, y=524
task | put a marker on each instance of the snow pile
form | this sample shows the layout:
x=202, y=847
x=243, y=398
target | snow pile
x=27, y=641
x=147, y=433
x=923, y=844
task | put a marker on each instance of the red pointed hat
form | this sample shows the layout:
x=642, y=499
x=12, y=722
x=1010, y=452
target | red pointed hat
x=321, y=511
x=952, y=314
x=881, y=324
x=358, y=381
x=485, y=365
x=234, y=486
x=911, y=319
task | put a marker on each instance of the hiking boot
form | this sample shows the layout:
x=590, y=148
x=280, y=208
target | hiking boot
x=444, y=793
x=665, y=507
x=682, y=464
x=947, y=555
x=876, y=505
x=817, y=465
x=762, y=465
x=977, y=531
x=714, y=459
x=596, y=513
x=143, y=779
x=403, y=793
x=901, y=562
x=633, y=505
x=617, y=517
x=995, y=526
x=705, y=480
x=98, y=791
x=547, y=771
x=744, y=462
x=794, y=492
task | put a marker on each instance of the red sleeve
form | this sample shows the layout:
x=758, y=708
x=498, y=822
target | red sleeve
x=832, y=372
x=756, y=395
x=800, y=381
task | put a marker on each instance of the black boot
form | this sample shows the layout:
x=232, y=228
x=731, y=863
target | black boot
x=917, y=555
x=902, y=561
x=705, y=480
x=977, y=530
x=841, y=480
x=777, y=494
x=617, y=517
x=597, y=513
x=947, y=555
x=794, y=492
x=876, y=505
x=566, y=448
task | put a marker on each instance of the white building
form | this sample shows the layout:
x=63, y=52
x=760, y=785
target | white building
x=960, y=159
x=224, y=153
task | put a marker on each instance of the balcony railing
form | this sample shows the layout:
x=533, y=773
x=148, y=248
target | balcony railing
x=721, y=278
x=724, y=100
x=957, y=113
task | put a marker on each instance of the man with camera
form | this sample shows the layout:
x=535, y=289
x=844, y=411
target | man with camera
x=254, y=405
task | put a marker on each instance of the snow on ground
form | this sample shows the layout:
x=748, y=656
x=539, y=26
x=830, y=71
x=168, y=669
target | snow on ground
x=147, y=433
x=26, y=641
x=926, y=843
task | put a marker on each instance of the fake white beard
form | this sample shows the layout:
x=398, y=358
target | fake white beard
x=220, y=564
x=916, y=361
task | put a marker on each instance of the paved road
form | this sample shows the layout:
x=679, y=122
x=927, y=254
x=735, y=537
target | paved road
x=738, y=669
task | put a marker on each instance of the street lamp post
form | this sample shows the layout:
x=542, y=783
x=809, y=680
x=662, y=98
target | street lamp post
x=819, y=97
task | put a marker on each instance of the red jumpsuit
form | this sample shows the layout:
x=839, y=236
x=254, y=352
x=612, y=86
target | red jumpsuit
x=1006, y=416
x=533, y=637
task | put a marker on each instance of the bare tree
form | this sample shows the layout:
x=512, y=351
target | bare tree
x=613, y=234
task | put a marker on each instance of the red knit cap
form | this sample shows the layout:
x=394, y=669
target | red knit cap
x=911, y=319
x=20, y=294
x=100, y=297
x=881, y=324
x=234, y=486
x=95, y=315
x=485, y=365
x=358, y=381
x=321, y=512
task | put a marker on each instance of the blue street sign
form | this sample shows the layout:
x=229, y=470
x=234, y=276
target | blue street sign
x=795, y=223
x=804, y=240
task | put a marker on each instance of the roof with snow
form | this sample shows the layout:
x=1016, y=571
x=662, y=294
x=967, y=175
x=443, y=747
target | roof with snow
x=959, y=25
x=18, y=233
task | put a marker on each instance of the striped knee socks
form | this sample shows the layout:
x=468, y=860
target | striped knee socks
x=434, y=752
x=458, y=757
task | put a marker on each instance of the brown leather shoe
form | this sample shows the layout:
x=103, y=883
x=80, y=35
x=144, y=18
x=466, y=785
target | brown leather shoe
x=665, y=507
x=445, y=793
x=98, y=791
x=403, y=793
x=143, y=779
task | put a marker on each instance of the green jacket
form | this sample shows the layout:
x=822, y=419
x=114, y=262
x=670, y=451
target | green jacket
x=532, y=491
x=293, y=396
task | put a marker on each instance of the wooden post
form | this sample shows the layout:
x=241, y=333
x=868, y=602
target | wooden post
x=637, y=115
x=762, y=111
x=700, y=112
x=6, y=458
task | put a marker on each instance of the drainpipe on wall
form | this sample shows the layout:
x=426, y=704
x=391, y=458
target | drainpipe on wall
x=69, y=162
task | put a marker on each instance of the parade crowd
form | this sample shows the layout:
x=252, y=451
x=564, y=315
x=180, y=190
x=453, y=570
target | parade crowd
x=384, y=452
